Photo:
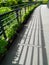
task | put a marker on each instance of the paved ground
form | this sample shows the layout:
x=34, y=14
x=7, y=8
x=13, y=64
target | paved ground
x=32, y=45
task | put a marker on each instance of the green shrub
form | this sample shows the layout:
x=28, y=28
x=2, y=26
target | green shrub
x=8, y=3
x=3, y=42
x=11, y=2
x=4, y=10
x=11, y=29
x=45, y=1
x=19, y=1
x=3, y=45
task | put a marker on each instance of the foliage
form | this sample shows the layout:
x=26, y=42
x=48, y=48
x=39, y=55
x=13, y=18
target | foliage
x=11, y=29
x=3, y=44
x=45, y=1
x=11, y=2
x=4, y=10
x=19, y=1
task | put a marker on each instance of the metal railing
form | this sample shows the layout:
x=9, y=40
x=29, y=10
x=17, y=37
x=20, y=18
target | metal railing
x=16, y=14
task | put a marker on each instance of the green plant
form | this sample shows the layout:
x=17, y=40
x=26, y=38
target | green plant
x=4, y=10
x=11, y=28
x=45, y=1
x=3, y=45
x=19, y=1
x=11, y=2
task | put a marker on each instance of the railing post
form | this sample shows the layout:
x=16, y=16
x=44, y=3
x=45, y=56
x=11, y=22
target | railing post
x=2, y=28
x=20, y=16
x=31, y=6
x=28, y=7
x=17, y=16
x=25, y=9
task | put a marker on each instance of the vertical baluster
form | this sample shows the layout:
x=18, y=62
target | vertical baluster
x=20, y=16
x=17, y=15
x=25, y=9
x=31, y=5
x=28, y=7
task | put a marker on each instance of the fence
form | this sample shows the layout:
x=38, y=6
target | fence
x=13, y=17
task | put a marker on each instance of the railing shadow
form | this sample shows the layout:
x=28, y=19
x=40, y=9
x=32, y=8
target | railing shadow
x=33, y=44
x=29, y=43
x=38, y=43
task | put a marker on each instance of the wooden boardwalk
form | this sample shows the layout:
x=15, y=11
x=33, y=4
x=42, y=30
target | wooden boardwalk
x=32, y=45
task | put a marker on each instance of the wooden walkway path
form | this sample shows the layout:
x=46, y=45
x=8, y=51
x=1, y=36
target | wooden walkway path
x=32, y=45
